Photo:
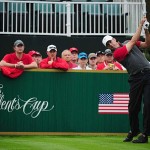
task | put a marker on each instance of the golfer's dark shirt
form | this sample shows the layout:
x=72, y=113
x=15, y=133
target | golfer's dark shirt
x=134, y=61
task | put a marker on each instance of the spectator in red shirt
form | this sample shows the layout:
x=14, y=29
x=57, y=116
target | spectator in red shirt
x=109, y=63
x=66, y=55
x=37, y=57
x=13, y=64
x=18, y=59
x=53, y=62
x=74, y=52
x=100, y=57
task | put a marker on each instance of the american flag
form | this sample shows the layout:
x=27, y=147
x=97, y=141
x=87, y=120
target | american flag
x=116, y=103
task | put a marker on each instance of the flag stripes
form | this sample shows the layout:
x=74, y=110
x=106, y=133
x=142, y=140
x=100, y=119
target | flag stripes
x=116, y=103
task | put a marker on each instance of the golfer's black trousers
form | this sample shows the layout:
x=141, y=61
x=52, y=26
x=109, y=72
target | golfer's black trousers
x=139, y=90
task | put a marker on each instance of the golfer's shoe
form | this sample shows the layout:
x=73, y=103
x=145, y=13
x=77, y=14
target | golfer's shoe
x=141, y=139
x=130, y=136
x=146, y=25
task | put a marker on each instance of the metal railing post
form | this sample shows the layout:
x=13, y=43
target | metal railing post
x=68, y=24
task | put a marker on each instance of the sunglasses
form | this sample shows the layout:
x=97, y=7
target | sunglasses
x=93, y=58
x=109, y=55
x=20, y=45
x=83, y=58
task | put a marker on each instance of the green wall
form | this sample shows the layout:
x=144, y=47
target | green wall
x=72, y=97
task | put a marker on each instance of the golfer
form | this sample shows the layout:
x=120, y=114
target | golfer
x=138, y=67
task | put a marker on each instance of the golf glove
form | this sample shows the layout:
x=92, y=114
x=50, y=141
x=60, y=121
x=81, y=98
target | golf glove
x=146, y=25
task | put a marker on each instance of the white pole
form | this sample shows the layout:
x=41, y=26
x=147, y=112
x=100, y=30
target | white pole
x=68, y=25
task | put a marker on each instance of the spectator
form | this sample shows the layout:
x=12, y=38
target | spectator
x=53, y=62
x=82, y=62
x=13, y=64
x=74, y=52
x=109, y=63
x=37, y=57
x=66, y=55
x=92, y=57
x=100, y=57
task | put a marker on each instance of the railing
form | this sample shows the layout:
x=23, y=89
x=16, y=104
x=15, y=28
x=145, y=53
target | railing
x=70, y=18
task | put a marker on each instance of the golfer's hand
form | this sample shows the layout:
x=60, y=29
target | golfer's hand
x=143, y=20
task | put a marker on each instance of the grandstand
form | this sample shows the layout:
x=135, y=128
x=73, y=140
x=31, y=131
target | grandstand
x=70, y=17
x=40, y=23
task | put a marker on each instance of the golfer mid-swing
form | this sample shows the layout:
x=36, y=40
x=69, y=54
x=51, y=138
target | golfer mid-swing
x=138, y=67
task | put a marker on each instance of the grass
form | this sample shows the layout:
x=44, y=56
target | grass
x=68, y=143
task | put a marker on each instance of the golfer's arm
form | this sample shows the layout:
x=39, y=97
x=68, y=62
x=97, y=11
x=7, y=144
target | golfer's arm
x=134, y=39
x=147, y=40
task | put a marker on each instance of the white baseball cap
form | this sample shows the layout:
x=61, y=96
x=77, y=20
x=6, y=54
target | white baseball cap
x=106, y=39
x=51, y=47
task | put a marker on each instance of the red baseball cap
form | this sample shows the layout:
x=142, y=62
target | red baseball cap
x=33, y=52
x=73, y=49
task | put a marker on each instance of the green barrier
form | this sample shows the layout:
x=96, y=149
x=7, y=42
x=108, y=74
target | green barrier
x=58, y=101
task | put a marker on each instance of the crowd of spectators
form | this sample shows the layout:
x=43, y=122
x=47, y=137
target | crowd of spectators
x=13, y=64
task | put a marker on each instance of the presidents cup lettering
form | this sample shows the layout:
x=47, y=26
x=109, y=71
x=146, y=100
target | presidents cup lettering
x=35, y=107
x=32, y=106
x=9, y=105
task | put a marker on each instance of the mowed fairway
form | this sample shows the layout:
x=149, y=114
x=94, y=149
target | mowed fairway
x=68, y=143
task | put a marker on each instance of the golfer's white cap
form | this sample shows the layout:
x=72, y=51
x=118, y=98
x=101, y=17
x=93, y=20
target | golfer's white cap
x=106, y=39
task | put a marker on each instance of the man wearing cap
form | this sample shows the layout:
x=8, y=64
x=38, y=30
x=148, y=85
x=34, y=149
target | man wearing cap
x=82, y=62
x=18, y=60
x=109, y=63
x=100, y=57
x=92, y=58
x=74, y=55
x=66, y=55
x=53, y=62
x=138, y=67
x=37, y=57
